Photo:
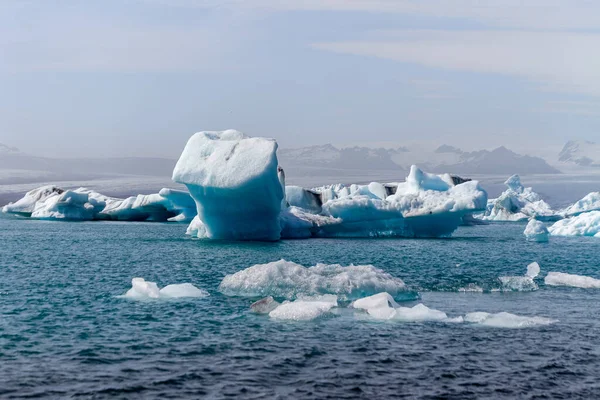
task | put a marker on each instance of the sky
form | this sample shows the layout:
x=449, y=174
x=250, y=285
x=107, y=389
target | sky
x=139, y=77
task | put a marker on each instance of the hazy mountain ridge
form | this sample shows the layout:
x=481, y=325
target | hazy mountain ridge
x=580, y=152
x=446, y=158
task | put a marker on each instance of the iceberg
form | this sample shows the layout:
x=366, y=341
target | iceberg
x=144, y=290
x=578, y=281
x=288, y=280
x=305, y=309
x=590, y=202
x=425, y=205
x=536, y=231
x=53, y=203
x=26, y=205
x=235, y=182
x=586, y=224
x=518, y=203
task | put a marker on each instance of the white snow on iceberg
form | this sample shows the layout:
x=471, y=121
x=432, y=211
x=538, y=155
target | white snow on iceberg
x=586, y=224
x=578, y=281
x=518, y=203
x=288, y=280
x=536, y=231
x=144, y=290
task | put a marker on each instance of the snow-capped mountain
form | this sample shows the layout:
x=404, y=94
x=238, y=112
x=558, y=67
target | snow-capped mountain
x=581, y=153
x=445, y=158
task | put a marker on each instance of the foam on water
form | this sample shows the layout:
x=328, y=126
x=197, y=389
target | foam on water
x=579, y=281
x=288, y=280
x=145, y=290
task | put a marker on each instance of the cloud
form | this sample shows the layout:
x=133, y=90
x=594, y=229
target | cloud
x=557, y=61
x=528, y=14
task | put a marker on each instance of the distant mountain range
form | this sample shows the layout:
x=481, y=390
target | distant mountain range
x=445, y=158
x=322, y=163
x=19, y=167
x=581, y=153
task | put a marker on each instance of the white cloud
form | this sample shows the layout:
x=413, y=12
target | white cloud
x=556, y=60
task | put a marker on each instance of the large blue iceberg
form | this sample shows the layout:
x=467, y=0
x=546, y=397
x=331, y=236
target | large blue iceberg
x=240, y=194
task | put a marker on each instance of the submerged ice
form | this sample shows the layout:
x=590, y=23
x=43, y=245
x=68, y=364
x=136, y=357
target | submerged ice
x=521, y=283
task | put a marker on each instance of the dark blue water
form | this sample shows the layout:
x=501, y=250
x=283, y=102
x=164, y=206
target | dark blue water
x=65, y=333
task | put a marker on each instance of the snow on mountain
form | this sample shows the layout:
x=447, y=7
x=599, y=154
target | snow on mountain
x=581, y=153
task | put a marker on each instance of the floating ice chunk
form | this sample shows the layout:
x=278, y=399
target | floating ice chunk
x=142, y=289
x=235, y=182
x=533, y=270
x=264, y=305
x=536, y=231
x=579, y=281
x=382, y=306
x=506, y=320
x=182, y=290
x=378, y=300
x=586, y=224
x=522, y=283
x=285, y=279
x=305, y=309
x=518, y=203
x=591, y=202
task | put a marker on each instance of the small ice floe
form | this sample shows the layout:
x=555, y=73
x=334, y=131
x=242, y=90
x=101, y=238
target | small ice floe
x=521, y=283
x=382, y=306
x=578, y=281
x=144, y=290
x=305, y=309
x=536, y=231
x=288, y=280
x=506, y=320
